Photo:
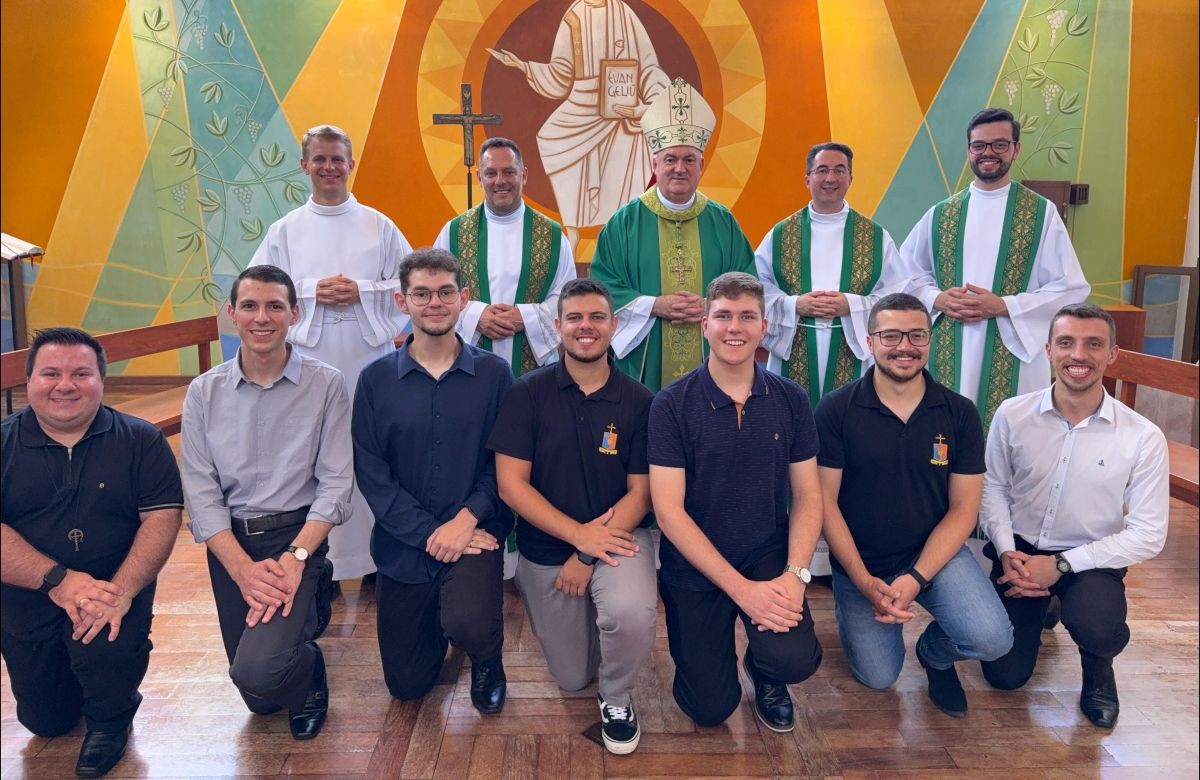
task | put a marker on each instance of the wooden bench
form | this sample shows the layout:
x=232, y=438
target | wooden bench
x=1135, y=369
x=163, y=409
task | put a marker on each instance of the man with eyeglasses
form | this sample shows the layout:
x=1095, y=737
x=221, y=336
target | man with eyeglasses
x=994, y=263
x=822, y=268
x=422, y=416
x=343, y=258
x=897, y=432
x=514, y=260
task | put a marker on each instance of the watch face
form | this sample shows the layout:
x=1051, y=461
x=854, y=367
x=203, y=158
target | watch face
x=1063, y=566
x=805, y=576
x=300, y=553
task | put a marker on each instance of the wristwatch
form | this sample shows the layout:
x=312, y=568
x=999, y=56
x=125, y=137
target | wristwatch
x=52, y=578
x=801, y=572
x=585, y=559
x=300, y=553
x=1064, y=566
x=920, y=578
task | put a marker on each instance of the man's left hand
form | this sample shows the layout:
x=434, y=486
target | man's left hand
x=794, y=587
x=89, y=626
x=1041, y=570
x=448, y=541
x=573, y=577
x=990, y=304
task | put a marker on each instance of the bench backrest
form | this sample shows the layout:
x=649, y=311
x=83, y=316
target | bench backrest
x=127, y=344
x=1134, y=369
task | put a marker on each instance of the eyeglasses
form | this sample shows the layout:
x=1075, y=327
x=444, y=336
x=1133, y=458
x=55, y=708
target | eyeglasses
x=840, y=171
x=422, y=297
x=892, y=338
x=999, y=146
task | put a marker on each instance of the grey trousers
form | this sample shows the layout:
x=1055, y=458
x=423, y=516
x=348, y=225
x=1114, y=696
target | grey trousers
x=610, y=630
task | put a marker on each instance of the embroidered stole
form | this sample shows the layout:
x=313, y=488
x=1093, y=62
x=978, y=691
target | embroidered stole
x=1024, y=215
x=680, y=268
x=540, y=247
x=862, y=261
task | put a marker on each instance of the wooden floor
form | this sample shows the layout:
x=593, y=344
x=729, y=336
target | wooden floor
x=193, y=723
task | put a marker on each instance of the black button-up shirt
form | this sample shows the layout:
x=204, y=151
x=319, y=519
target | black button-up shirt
x=582, y=448
x=419, y=453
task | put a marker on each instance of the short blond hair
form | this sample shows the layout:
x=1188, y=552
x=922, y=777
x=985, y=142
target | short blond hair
x=326, y=133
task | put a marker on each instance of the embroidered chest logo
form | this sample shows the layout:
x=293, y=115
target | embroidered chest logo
x=941, y=451
x=608, y=440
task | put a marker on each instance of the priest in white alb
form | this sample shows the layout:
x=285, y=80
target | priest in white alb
x=514, y=262
x=993, y=262
x=343, y=257
x=823, y=268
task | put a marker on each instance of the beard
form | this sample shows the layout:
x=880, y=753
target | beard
x=895, y=376
x=1000, y=172
x=585, y=358
x=440, y=330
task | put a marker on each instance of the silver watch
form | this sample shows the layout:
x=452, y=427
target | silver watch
x=801, y=572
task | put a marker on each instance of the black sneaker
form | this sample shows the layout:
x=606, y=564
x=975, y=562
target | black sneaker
x=945, y=691
x=620, y=727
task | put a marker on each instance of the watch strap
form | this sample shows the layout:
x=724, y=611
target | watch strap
x=1064, y=566
x=585, y=559
x=920, y=578
x=52, y=578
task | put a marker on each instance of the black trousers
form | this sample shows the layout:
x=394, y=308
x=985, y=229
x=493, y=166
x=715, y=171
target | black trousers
x=56, y=679
x=1093, y=612
x=272, y=664
x=463, y=606
x=700, y=635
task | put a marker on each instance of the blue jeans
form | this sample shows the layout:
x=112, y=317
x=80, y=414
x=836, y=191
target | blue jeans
x=969, y=622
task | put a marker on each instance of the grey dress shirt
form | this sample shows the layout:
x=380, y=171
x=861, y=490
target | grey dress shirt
x=252, y=450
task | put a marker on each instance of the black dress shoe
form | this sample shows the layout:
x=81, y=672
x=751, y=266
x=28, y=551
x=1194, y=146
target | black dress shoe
x=772, y=702
x=100, y=752
x=1098, y=700
x=306, y=723
x=325, y=595
x=945, y=691
x=1053, y=614
x=488, y=685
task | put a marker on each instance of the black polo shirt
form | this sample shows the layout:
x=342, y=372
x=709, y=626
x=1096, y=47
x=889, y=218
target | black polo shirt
x=896, y=475
x=582, y=448
x=737, y=477
x=82, y=507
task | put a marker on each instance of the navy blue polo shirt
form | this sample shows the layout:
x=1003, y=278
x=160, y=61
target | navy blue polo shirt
x=737, y=477
x=419, y=454
x=896, y=475
x=582, y=448
x=82, y=507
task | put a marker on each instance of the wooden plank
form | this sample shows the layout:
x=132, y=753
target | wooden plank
x=163, y=410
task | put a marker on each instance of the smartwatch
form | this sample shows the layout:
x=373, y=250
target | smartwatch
x=52, y=578
x=801, y=572
x=585, y=559
x=920, y=578
x=300, y=553
x=1064, y=566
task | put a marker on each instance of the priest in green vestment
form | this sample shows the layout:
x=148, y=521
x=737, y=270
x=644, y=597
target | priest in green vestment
x=658, y=253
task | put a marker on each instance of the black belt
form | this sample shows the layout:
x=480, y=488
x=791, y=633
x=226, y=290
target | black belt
x=252, y=526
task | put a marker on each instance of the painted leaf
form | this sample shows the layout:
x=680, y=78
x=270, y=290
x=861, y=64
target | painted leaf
x=1029, y=124
x=184, y=155
x=271, y=156
x=251, y=230
x=1068, y=102
x=1036, y=76
x=1029, y=41
x=1055, y=156
x=211, y=293
x=1077, y=25
x=189, y=241
x=224, y=36
x=154, y=20
x=217, y=125
x=294, y=192
x=176, y=68
x=209, y=201
x=211, y=91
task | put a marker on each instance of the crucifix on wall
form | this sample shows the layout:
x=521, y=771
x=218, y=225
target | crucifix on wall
x=468, y=119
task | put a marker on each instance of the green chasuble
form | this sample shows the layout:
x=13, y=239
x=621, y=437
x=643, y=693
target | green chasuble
x=540, y=247
x=862, y=260
x=647, y=249
x=1024, y=215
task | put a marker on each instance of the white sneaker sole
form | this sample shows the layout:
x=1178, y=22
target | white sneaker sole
x=622, y=748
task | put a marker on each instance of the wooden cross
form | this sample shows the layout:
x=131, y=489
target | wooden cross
x=468, y=119
x=682, y=267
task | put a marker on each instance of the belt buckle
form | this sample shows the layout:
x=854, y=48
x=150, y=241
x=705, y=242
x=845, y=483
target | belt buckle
x=246, y=526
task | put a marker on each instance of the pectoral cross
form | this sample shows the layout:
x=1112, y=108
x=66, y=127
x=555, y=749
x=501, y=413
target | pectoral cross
x=468, y=119
x=682, y=266
x=75, y=535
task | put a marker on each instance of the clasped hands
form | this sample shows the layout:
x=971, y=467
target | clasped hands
x=772, y=605
x=337, y=291
x=1028, y=575
x=597, y=539
x=970, y=304
x=501, y=321
x=91, y=604
x=679, y=306
x=822, y=304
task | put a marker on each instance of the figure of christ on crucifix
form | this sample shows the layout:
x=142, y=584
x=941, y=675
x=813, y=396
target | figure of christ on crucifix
x=468, y=119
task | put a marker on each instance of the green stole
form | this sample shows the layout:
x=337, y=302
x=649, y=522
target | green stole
x=862, y=260
x=540, y=247
x=679, y=269
x=1024, y=216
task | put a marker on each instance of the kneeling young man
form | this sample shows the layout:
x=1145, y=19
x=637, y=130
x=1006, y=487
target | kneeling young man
x=897, y=519
x=422, y=416
x=1077, y=490
x=728, y=441
x=570, y=448
x=267, y=473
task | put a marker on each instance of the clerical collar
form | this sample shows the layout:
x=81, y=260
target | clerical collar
x=332, y=211
x=836, y=217
x=505, y=219
x=674, y=206
x=977, y=192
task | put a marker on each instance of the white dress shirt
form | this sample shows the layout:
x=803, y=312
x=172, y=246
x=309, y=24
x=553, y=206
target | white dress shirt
x=1097, y=491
